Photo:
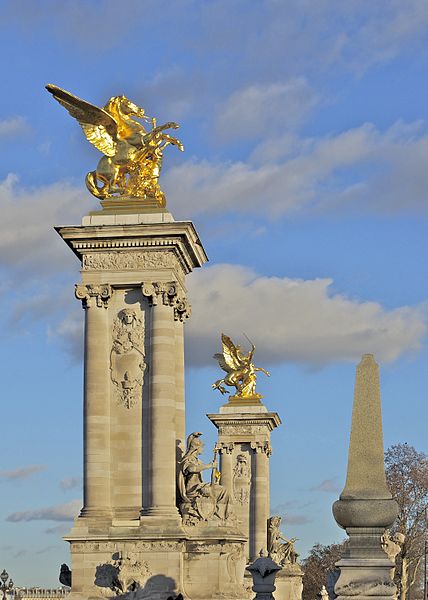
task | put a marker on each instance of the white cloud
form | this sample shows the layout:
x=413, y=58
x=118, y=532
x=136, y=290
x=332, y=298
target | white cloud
x=296, y=519
x=261, y=108
x=57, y=530
x=13, y=126
x=293, y=319
x=59, y=512
x=360, y=170
x=22, y=472
x=27, y=237
x=328, y=485
x=70, y=483
x=69, y=331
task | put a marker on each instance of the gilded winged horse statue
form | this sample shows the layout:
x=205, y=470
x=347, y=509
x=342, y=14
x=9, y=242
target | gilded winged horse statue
x=133, y=154
x=240, y=369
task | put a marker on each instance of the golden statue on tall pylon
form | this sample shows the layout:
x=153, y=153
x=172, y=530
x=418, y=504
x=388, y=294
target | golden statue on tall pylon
x=133, y=154
x=240, y=369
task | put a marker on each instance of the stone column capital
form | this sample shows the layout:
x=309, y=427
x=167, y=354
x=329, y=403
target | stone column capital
x=168, y=294
x=225, y=447
x=93, y=294
x=261, y=448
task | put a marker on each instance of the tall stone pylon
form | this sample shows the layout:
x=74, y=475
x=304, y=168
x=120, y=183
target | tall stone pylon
x=366, y=508
x=134, y=295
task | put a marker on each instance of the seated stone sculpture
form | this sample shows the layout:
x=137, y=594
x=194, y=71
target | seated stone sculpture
x=200, y=501
x=280, y=549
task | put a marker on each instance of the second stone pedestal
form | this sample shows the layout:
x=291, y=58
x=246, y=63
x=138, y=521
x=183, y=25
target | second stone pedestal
x=244, y=446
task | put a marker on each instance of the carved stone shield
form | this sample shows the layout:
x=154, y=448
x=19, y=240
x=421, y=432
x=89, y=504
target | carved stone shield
x=206, y=507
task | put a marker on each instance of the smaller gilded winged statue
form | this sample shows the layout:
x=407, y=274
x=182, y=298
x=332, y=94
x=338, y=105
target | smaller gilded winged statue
x=133, y=153
x=240, y=371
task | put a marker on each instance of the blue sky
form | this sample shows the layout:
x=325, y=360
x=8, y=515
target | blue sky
x=305, y=171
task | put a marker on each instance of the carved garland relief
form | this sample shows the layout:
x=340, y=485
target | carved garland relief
x=132, y=260
x=127, y=357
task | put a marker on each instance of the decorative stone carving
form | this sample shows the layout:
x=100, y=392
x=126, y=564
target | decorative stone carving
x=135, y=547
x=88, y=294
x=168, y=294
x=232, y=428
x=225, y=447
x=127, y=363
x=233, y=556
x=129, y=260
x=391, y=545
x=201, y=501
x=123, y=575
x=241, y=480
x=260, y=447
x=280, y=549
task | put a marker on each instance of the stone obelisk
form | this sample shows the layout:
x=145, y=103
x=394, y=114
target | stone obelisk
x=366, y=508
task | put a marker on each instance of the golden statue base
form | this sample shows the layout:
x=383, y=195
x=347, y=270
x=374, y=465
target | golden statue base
x=123, y=206
x=254, y=400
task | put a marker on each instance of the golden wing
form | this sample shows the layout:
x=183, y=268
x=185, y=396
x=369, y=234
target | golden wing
x=222, y=363
x=99, y=126
x=230, y=353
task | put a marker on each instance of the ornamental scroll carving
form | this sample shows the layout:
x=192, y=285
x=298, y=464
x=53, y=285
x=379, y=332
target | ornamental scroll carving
x=91, y=295
x=242, y=480
x=127, y=358
x=168, y=294
x=132, y=260
x=261, y=447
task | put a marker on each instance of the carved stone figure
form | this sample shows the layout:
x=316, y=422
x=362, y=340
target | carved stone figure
x=127, y=363
x=123, y=575
x=324, y=594
x=241, y=480
x=133, y=155
x=200, y=501
x=391, y=545
x=240, y=369
x=280, y=549
x=65, y=575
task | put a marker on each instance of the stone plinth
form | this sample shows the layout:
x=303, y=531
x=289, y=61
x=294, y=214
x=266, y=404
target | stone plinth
x=244, y=446
x=288, y=582
x=365, y=508
x=202, y=563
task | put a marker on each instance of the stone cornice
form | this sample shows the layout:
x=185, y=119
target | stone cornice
x=179, y=236
x=267, y=419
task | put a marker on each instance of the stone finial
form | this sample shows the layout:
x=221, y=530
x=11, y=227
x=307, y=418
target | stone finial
x=366, y=500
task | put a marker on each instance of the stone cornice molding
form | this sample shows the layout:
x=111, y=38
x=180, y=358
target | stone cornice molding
x=267, y=420
x=91, y=293
x=179, y=237
x=168, y=293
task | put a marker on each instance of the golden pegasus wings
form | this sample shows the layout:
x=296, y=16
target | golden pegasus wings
x=229, y=361
x=99, y=127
